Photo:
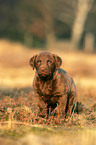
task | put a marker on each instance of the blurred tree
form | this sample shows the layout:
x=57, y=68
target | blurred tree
x=30, y=20
x=62, y=30
x=8, y=19
x=83, y=8
x=35, y=22
x=47, y=12
x=64, y=11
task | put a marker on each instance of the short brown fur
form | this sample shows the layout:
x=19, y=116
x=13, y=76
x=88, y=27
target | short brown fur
x=54, y=87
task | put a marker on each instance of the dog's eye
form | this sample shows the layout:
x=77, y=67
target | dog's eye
x=38, y=61
x=49, y=61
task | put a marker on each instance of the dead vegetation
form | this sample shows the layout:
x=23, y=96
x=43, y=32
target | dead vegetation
x=20, y=106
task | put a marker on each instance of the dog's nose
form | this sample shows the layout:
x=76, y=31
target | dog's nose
x=42, y=68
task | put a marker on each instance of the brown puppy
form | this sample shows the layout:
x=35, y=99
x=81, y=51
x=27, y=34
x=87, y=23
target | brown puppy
x=54, y=88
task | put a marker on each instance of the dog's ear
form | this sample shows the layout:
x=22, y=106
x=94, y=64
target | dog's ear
x=32, y=61
x=58, y=61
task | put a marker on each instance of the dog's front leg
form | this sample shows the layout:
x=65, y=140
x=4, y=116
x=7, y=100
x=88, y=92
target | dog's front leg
x=42, y=106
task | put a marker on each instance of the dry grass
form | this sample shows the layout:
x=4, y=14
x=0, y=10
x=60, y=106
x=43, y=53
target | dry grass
x=18, y=107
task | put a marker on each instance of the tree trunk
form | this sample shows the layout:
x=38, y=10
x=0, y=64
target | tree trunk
x=84, y=7
x=48, y=18
x=89, y=43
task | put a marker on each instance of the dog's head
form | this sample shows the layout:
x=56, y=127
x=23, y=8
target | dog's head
x=45, y=63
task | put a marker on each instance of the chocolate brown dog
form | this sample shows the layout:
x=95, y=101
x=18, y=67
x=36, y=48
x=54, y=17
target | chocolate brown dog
x=54, y=88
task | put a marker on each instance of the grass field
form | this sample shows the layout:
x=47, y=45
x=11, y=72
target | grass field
x=19, y=123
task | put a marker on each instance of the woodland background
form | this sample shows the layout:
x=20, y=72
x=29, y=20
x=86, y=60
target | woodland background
x=41, y=23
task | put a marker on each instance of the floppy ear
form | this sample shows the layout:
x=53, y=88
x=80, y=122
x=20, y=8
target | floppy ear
x=32, y=61
x=58, y=61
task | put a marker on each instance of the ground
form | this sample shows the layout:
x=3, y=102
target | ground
x=19, y=122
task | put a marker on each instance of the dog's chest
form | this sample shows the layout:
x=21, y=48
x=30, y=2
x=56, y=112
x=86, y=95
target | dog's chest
x=46, y=88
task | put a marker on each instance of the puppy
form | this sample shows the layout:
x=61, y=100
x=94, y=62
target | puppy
x=54, y=87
